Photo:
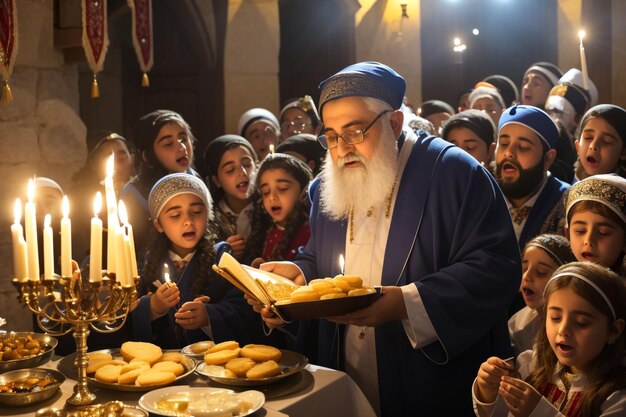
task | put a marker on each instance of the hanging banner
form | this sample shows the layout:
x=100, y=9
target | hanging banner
x=142, y=36
x=8, y=44
x=95, y=37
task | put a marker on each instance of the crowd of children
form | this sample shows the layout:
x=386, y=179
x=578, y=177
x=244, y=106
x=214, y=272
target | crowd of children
x=568, y=340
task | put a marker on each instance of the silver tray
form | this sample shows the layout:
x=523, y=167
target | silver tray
x=31, y=361
x=290, y=363
x=66, y=365
x=27, y=398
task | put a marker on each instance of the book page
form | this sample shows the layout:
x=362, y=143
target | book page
x=240, y=278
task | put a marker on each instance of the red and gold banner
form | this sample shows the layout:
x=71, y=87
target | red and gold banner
x=142, y=35
x=95, y=37
x=8, y=43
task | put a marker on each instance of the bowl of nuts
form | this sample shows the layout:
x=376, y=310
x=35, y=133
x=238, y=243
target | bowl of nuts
x=24, y=349
x=27, y=386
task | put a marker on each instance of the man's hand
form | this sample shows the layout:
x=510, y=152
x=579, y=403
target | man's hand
x=389, y=307
x=285, y=269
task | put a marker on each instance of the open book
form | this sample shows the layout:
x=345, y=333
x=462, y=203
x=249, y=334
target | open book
x=265, y=287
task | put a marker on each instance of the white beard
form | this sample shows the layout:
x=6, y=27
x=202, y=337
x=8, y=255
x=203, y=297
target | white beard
x=343, y=189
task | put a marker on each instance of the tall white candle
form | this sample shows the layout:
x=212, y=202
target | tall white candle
x=48, y=248
x=123, y=214
x=95, y=250
x=112, y=222
x=120, y=258
x=66, y=239
x=342, y=264
x=583, y=61
x=30, y=220
x=20, y=251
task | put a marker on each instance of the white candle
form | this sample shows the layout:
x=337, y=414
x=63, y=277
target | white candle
x=272, y=148
x=120, y=257
x=123, y=214
x=30, y=219
x=112, y=222
x=127, y=261
x=48, y=248
x=66, y=239
x=95, y=250
x=583, y=61
x=166, y=274
x=20, y=251
x=342, y=264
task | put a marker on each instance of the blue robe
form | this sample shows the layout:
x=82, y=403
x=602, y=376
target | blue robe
x=451, y=236
x=230, y=315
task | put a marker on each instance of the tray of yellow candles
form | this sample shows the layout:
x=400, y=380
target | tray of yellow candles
x=20, y=350
x=136, y=366
x=229, y=364
x=322, y=297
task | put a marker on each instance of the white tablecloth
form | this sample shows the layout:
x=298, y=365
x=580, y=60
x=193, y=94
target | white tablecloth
x=332, y=393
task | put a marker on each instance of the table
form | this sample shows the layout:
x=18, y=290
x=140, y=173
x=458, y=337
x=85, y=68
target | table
x=331, y=393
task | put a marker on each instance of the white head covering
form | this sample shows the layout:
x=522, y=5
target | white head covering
x=255, y=115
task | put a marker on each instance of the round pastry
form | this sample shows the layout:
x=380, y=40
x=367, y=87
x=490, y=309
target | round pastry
x=261, y=353
x=321, y=284
x=142, y=351
x=108, y=373
x=239, y=366
x=263, y=370
x=201, y=347
x=332, y=290
x=133, y=366
x=152, y=377
x=173, y=356
x=361, y=291
x=169, y=366
x=304, y=294
x=353, y=280
x=99, y=356
x=221, y=357
x=228, y=345
x=332, y=295
x=342, y=283
x=129, y=378
x=93, y=367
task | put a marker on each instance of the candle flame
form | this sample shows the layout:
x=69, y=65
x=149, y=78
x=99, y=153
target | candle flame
x=166, y=273
x=581, y=35
x=47, y=220
x=97, y=204
x=272, y=148
x=17, y=211
x=342, y=263
x=121, y=212
x=65, y=207
x=110, y=165
x=31, y=190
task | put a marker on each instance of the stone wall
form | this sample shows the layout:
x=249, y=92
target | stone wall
x=40, y=132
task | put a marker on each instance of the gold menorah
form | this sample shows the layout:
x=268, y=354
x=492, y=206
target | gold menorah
x=65, y=304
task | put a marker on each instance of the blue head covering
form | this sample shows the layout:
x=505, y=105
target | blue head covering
x=533, y=118
x=365, y=79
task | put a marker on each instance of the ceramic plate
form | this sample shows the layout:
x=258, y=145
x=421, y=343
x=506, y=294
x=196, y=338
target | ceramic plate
x=149, y=401
x=66, y=365
x=290, y=363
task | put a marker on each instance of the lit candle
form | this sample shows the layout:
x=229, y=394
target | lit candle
x=342, y=264
x=30, y=219
x=95, y=251
x=112, y=222
x=48, y=248
x=66, y=239
x=20, y=251
x=166, y=274
x=123, y=213
x=120, y=257
x=272, y=148
x=583, y=60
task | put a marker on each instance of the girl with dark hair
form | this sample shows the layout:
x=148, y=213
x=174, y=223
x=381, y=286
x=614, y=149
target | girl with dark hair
x=281, y=216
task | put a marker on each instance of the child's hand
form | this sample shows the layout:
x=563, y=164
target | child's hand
x=238, y=245
x=268, y=316
x=166, y=297
x=520, y=398
x=489, y=377
x=192, y=315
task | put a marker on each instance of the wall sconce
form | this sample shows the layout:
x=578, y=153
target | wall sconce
x=404, y=13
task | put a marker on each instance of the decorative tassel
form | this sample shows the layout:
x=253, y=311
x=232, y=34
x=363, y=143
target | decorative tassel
x=6, y=92
x=145, y=81
x=95, y=90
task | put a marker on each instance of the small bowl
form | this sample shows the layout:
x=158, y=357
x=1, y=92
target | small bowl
x=26, y=398
x=29, y=362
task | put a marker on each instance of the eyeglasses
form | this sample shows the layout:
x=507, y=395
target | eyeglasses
x=350, y=137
